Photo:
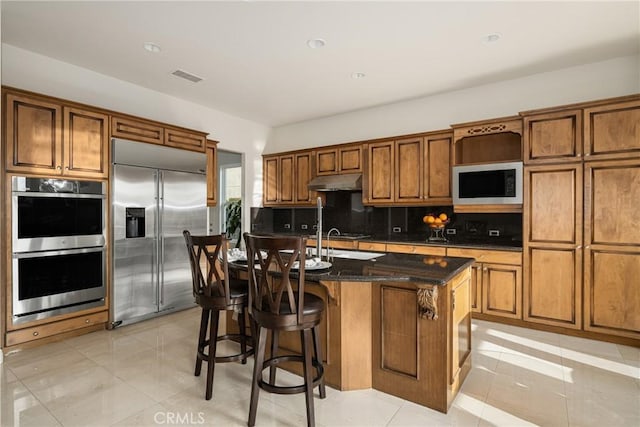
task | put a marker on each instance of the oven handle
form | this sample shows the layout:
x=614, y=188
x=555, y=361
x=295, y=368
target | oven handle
x=40, y=254
x=59, y=195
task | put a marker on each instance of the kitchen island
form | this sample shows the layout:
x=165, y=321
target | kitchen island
x=398, y=323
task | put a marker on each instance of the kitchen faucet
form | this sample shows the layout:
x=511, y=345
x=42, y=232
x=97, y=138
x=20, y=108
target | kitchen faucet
x=319, y=229
x=328, y=241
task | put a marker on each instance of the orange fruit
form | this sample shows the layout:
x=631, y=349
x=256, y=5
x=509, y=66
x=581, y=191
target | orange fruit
x=442, y=264
x=437, y=221
x=443, y=216
x=428, y=219
x=429, y=261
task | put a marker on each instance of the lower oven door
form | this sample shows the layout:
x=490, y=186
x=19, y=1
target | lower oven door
x=60, y=281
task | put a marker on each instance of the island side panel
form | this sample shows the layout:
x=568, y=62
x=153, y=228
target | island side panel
x=413, y=355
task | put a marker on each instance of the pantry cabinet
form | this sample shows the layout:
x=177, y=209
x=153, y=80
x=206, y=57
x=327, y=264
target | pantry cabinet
x=612, y=247
x=553, y=245
x=46, y=137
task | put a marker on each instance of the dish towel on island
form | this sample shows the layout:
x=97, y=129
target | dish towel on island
x=428, y=303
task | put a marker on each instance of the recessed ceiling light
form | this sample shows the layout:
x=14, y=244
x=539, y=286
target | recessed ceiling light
x=358, y=75
x=316, y=43
x=151, y=47
x=491, y=38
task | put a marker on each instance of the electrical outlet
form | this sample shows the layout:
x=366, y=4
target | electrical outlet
x=304, y=226
x=494, y=233
x=287, y=226
x=397, y=229
x=451, y=231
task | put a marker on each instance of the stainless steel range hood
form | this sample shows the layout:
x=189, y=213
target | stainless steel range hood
x=347, y=182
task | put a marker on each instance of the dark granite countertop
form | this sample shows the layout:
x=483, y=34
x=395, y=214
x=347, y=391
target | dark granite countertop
x=495, y=243
x=425, y=269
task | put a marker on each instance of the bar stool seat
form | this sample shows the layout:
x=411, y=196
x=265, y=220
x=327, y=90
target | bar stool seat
x=214, y=294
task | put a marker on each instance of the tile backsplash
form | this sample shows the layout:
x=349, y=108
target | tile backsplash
x=344, y=210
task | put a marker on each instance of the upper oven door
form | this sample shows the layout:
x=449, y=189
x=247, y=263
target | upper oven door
x=49, y=221
x=495, y=183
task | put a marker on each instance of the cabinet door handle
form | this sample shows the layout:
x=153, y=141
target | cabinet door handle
x=587, y=247
x=59, y=167
x=36, y=333
x=66, y=167
x=485, y=269
x=579, y=247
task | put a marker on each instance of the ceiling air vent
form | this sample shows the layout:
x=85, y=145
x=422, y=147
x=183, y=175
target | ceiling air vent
x=187, y=76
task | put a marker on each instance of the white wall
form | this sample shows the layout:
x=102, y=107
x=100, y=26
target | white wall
x=615, y=77
x=26, y=70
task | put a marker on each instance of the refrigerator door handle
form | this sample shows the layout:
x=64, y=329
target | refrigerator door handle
x=161, y=236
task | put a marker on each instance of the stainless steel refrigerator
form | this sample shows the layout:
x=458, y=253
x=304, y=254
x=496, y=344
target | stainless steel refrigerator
x=151, y=206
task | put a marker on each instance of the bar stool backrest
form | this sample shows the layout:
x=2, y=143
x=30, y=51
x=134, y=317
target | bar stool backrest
x=214, y=250
x=270, y=274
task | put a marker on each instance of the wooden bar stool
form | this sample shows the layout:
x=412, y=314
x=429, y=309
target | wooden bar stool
x=215, y=293
x=277, y=306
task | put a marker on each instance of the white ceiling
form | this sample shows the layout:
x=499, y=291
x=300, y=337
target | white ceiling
x=254, y=59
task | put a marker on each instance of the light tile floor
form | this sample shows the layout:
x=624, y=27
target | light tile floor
x=142, y=374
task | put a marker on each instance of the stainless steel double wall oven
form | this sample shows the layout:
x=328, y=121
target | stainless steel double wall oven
x=58, y=241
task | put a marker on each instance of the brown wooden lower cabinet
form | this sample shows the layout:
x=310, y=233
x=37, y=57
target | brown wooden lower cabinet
x=553, y=286
x=612, y=291
x=496, y=281
x=25, y=335
x=502, y=290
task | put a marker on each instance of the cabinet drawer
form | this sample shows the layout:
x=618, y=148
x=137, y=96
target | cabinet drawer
x=481, y=255
x=50, y=329
x=416, y=249
x=136, y=130
x=185, y=140
x=372, y=246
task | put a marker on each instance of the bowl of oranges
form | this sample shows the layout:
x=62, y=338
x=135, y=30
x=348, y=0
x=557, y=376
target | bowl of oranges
x=436, y=221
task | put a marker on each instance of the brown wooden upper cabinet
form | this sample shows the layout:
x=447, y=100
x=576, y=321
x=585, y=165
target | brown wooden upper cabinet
x=212, y=173
x=612, y=131
x=410, y=171
x=488, y=141
x=46, y=137
x=338, y=160
x=303, y=167
x=286, y=177
x=552, y=136
x=155, y=133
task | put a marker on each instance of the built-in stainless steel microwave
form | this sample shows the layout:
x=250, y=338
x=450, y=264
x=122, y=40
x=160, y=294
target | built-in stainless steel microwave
x=490, y=184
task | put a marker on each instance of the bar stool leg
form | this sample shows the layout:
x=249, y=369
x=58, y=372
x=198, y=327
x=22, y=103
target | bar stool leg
x=211, y=362
x=204, y=322
x=307, y=346
x=319, y=359
x=243, y=334
x=274, y=352
x=257, y=374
